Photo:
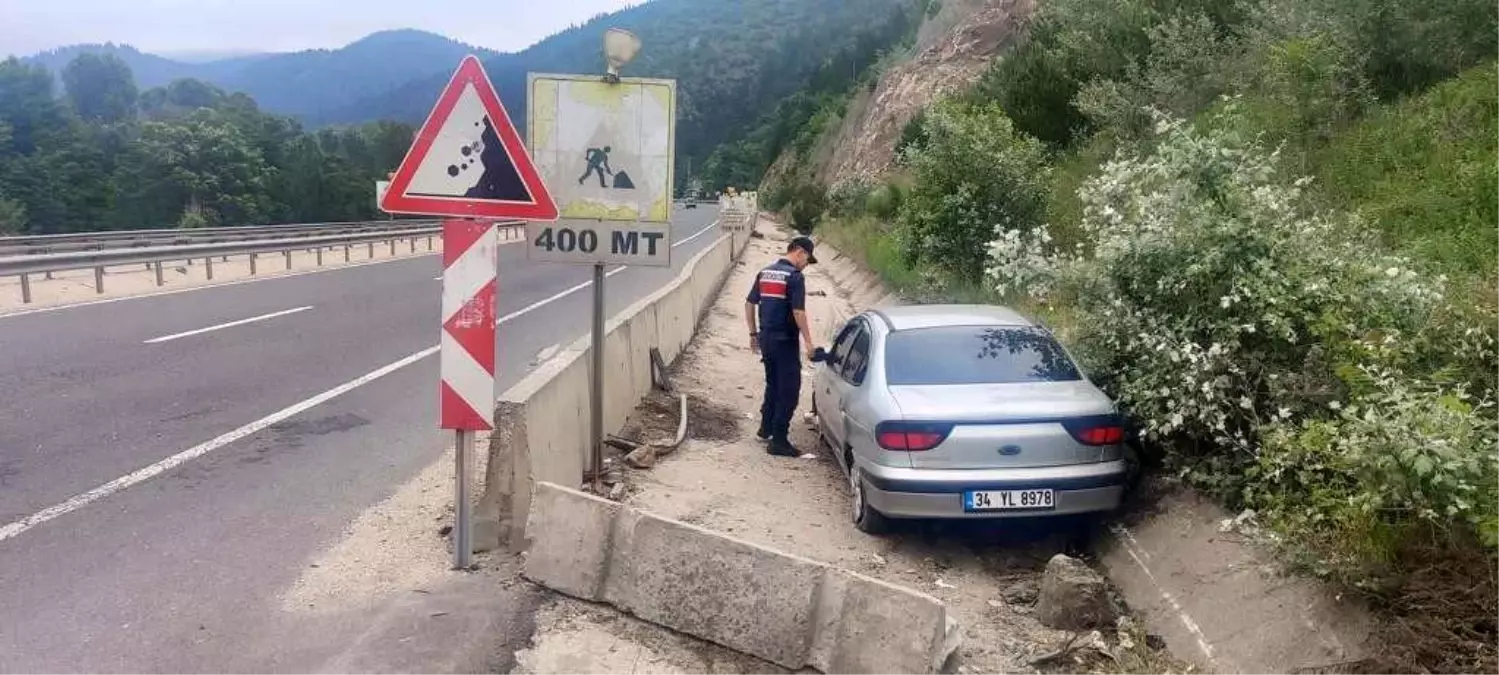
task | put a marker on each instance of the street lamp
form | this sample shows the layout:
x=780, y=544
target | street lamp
x=620, y=46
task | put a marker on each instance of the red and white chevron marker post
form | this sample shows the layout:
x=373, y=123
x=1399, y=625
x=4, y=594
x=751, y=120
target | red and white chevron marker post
x=470, y=262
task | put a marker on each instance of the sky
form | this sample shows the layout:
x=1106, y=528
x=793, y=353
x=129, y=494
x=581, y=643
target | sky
x=166, y=26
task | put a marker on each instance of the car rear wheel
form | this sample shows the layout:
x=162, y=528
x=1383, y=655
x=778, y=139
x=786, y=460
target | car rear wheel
x=866, y=519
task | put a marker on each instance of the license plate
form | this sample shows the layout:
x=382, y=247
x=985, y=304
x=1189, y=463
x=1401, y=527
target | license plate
x=1009, y=500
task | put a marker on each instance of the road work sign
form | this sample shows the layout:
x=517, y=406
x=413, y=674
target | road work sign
x=606, y=149
x=600, y=242
x=468, y=161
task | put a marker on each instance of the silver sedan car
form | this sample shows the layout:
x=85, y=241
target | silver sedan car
x=965, y=411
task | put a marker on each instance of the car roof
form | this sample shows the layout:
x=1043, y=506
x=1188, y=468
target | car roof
x=907, y=317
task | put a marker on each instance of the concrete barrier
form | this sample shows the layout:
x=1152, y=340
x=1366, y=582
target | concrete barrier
x=787, y=610
x=541, y=427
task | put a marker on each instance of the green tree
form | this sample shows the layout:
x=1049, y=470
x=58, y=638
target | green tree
x=975, y=176
x=199, y=161
x=28, y=107
x=100, y=88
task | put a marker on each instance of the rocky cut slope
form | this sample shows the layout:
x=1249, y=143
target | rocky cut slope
x=952, y=50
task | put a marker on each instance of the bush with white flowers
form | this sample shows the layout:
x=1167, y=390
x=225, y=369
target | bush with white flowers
x=1284, y=358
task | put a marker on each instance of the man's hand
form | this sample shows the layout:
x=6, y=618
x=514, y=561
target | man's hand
x=754, y=344
x=810, y=350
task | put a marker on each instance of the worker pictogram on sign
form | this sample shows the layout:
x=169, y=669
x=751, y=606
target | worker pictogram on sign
x=468, y=160
x=470, y=250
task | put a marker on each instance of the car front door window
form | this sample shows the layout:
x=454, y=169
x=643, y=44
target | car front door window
x=856, y=362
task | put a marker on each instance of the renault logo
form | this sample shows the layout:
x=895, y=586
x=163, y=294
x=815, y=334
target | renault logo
x=1009, y=450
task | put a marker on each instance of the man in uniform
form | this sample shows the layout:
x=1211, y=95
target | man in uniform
x=778, y=299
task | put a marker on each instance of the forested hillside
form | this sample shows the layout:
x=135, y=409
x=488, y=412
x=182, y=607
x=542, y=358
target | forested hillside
x=105, y=156
x=733, y=60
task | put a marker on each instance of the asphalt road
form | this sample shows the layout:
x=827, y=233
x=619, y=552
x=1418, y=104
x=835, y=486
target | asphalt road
x=179, y=569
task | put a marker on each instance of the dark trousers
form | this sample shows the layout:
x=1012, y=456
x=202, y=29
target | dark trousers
x=783, y=385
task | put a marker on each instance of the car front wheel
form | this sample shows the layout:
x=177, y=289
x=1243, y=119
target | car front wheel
x=868, y=520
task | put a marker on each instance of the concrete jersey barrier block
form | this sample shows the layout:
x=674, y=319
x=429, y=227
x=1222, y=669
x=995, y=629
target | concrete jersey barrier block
x=779, y=607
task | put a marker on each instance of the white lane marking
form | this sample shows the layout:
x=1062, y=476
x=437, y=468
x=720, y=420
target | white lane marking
x=231, y=324
x=694, y=235
x=76, y=502
x=149, y=472
x=1138, y=554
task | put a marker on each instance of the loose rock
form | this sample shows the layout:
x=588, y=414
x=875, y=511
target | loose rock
x=1074, y=597
x=643, y=457
x=1021, y=592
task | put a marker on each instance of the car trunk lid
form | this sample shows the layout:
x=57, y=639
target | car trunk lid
x=1010, y=425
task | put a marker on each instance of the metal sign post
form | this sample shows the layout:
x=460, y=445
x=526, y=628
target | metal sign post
x=606, y=146
x=463, y=529
x=596, y=386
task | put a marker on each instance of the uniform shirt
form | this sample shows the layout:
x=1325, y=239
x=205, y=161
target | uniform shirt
x=777, y=291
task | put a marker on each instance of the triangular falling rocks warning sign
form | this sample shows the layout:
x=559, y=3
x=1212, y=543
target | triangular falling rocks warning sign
x=467, y=161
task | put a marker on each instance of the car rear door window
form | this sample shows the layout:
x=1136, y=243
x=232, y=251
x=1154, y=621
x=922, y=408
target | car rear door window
x=975, y=355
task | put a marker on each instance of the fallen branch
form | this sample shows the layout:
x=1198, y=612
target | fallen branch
x=624, y=444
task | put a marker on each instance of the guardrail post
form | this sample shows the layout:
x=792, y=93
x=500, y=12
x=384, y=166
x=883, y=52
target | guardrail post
x=25, y=288
x=372, y=250
x=208, y=266
x=319, y=256
x=413, y=244
x=392, y=247
x=252, y=264
x=159, y=281
x=49, y=276
x=287, y=252
x=346, y=253
x=99, y=280
x=429, y=242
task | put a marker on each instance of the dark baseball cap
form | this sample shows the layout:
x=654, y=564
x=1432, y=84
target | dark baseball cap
x=805, y=244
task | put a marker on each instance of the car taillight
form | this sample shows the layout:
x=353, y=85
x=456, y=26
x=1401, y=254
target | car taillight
x=911, y=436
x=1098, y=430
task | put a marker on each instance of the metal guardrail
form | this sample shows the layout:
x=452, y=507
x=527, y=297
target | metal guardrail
x=154, y=256
x=86, y=241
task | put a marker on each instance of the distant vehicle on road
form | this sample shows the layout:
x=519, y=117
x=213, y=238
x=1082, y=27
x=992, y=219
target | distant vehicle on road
x=965, y=411
x=690, y=205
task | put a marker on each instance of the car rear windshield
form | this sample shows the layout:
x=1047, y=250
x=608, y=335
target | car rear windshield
x=975, y=355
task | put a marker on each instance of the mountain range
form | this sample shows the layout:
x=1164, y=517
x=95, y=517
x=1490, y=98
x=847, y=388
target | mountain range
x=733, y=61
x=308, y=84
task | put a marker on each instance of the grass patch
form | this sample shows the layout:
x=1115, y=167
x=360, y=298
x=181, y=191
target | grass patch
x=873, y=244
x=1423, y=173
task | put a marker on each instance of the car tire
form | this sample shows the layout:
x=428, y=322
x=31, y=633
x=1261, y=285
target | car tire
x=866, y=519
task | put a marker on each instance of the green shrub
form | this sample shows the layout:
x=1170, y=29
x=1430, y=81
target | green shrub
x=912, y=135
x=974, y=175
x=12, y=216
x=1287, y=361
x=847, y=199
x=883, y=201
x=806, y=206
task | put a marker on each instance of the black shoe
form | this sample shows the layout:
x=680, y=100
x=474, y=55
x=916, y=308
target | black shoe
x=762, y=434
x=782, y=448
